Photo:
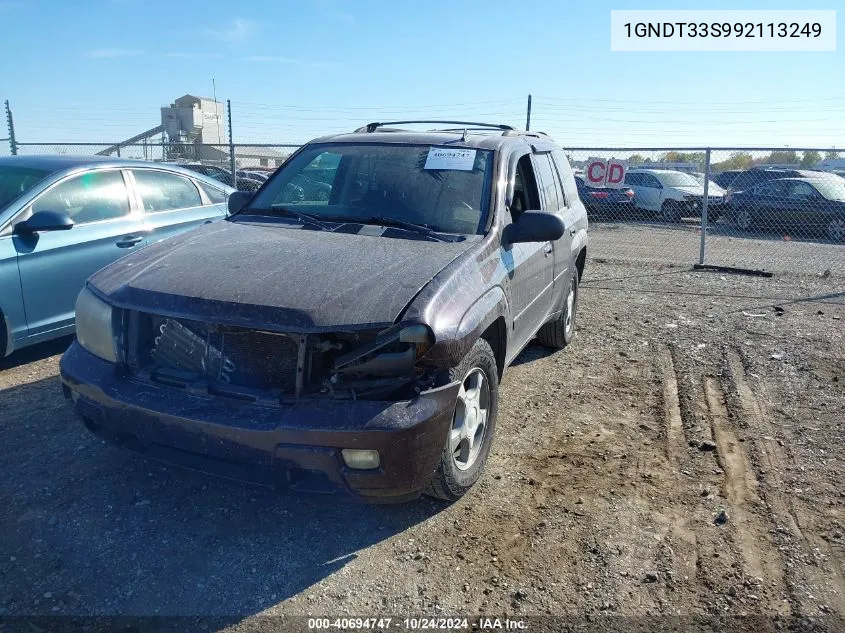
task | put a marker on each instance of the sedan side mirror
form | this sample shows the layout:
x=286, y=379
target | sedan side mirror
x=535, y=226
x=43, y=221
x=238, y=200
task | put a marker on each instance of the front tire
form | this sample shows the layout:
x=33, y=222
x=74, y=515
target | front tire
x=470, y=437
x=4, y=341
x=742, y=219
x=836, y=230
x=670, y=211
x=560, y=332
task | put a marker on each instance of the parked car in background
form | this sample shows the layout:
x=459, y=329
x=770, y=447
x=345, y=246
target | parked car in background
x=241, y=183
x=671, y=194
x=354, y=344
x=252, y=174
x=62, y=218
x=605, y=201
x=724, y=178
x=713, y=188
x=803, y=203
x=741, y=180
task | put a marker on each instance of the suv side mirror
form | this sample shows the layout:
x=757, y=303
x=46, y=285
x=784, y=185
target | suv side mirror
x=534, y=226
x=238, y=200
x=43, y=221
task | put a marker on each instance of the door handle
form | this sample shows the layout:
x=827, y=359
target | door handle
x=547, y=249
x=130, y=240
x=573, y=231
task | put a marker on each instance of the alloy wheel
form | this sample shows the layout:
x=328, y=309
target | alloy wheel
x=469, y=426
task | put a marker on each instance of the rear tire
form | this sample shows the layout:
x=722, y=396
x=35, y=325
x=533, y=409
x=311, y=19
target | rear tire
x=560, y=332
x=470, y=436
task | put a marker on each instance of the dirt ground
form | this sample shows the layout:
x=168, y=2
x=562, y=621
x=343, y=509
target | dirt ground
x=683, y=457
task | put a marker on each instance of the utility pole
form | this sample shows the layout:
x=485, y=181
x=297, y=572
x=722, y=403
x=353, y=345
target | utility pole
x=13, y=144
x=231, y=144
x=528, y=115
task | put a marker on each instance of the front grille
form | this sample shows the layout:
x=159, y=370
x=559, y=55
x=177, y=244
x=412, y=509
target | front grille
x=260, y=359
x=234, y=356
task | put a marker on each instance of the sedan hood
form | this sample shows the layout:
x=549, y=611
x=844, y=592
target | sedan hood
x=276, y=276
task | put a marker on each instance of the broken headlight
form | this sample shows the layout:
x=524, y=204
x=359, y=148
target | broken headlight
x=393, y=352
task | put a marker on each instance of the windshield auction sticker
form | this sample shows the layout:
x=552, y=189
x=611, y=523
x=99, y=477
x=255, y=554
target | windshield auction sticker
x=718, y=30
x=450, y=158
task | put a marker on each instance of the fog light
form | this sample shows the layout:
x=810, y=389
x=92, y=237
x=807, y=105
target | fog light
x=360, y=459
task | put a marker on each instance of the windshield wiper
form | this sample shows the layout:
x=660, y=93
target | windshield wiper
x=408, y=226
x=304, y=218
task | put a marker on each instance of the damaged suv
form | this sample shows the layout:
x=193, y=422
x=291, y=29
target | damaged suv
x=347, y=327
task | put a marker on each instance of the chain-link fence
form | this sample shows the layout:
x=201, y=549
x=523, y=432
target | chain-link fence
x=766, y=209
x=755, y=209
x=252, y=163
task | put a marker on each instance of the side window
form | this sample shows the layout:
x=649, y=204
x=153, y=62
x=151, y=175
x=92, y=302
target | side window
x=651, y=181
x=801, y=191
x=568, y=186
x=525, y=193
x=548, y=181
x=634, y=178
x=91, y=197
x=766, y=189
x=214, y=194
x=776, y=188
x=163, y=191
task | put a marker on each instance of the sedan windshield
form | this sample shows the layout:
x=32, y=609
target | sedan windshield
x=677, y=179
x=445, y=189
x=831, y=189
x=14, y=181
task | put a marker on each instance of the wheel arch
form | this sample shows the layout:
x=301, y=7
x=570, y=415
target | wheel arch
x=581, y=262
x=5, y=336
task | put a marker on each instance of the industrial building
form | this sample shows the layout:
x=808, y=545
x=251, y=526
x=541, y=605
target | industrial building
x=194, y=129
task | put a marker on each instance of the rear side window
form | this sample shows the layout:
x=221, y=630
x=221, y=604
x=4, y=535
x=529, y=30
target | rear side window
x=569, y=187
x=91, y=197
x=163, y=191
x=548, y=181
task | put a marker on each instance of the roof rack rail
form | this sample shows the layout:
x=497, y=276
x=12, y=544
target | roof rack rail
x=372, y=127
x=532, y=133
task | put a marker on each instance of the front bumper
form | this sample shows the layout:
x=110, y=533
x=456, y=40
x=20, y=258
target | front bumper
x=695, y=207
x=289, y=445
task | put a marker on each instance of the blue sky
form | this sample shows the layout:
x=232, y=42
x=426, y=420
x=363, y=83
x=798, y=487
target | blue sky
x=98, y=70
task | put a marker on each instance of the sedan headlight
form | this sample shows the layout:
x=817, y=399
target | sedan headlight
x=96, y=328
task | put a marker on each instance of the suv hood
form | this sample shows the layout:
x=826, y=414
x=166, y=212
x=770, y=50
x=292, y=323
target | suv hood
x=275, y=276
x=691, y=189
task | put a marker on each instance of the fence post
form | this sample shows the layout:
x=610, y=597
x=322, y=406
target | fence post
x=231, y=145
x=118, y=151
x=13, y=144
x=704, y=205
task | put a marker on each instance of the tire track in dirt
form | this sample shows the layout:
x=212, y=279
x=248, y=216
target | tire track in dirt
x=736, y=562
x=675, y=441
x=740, y=487
x=680, y=547
x=828, y=582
